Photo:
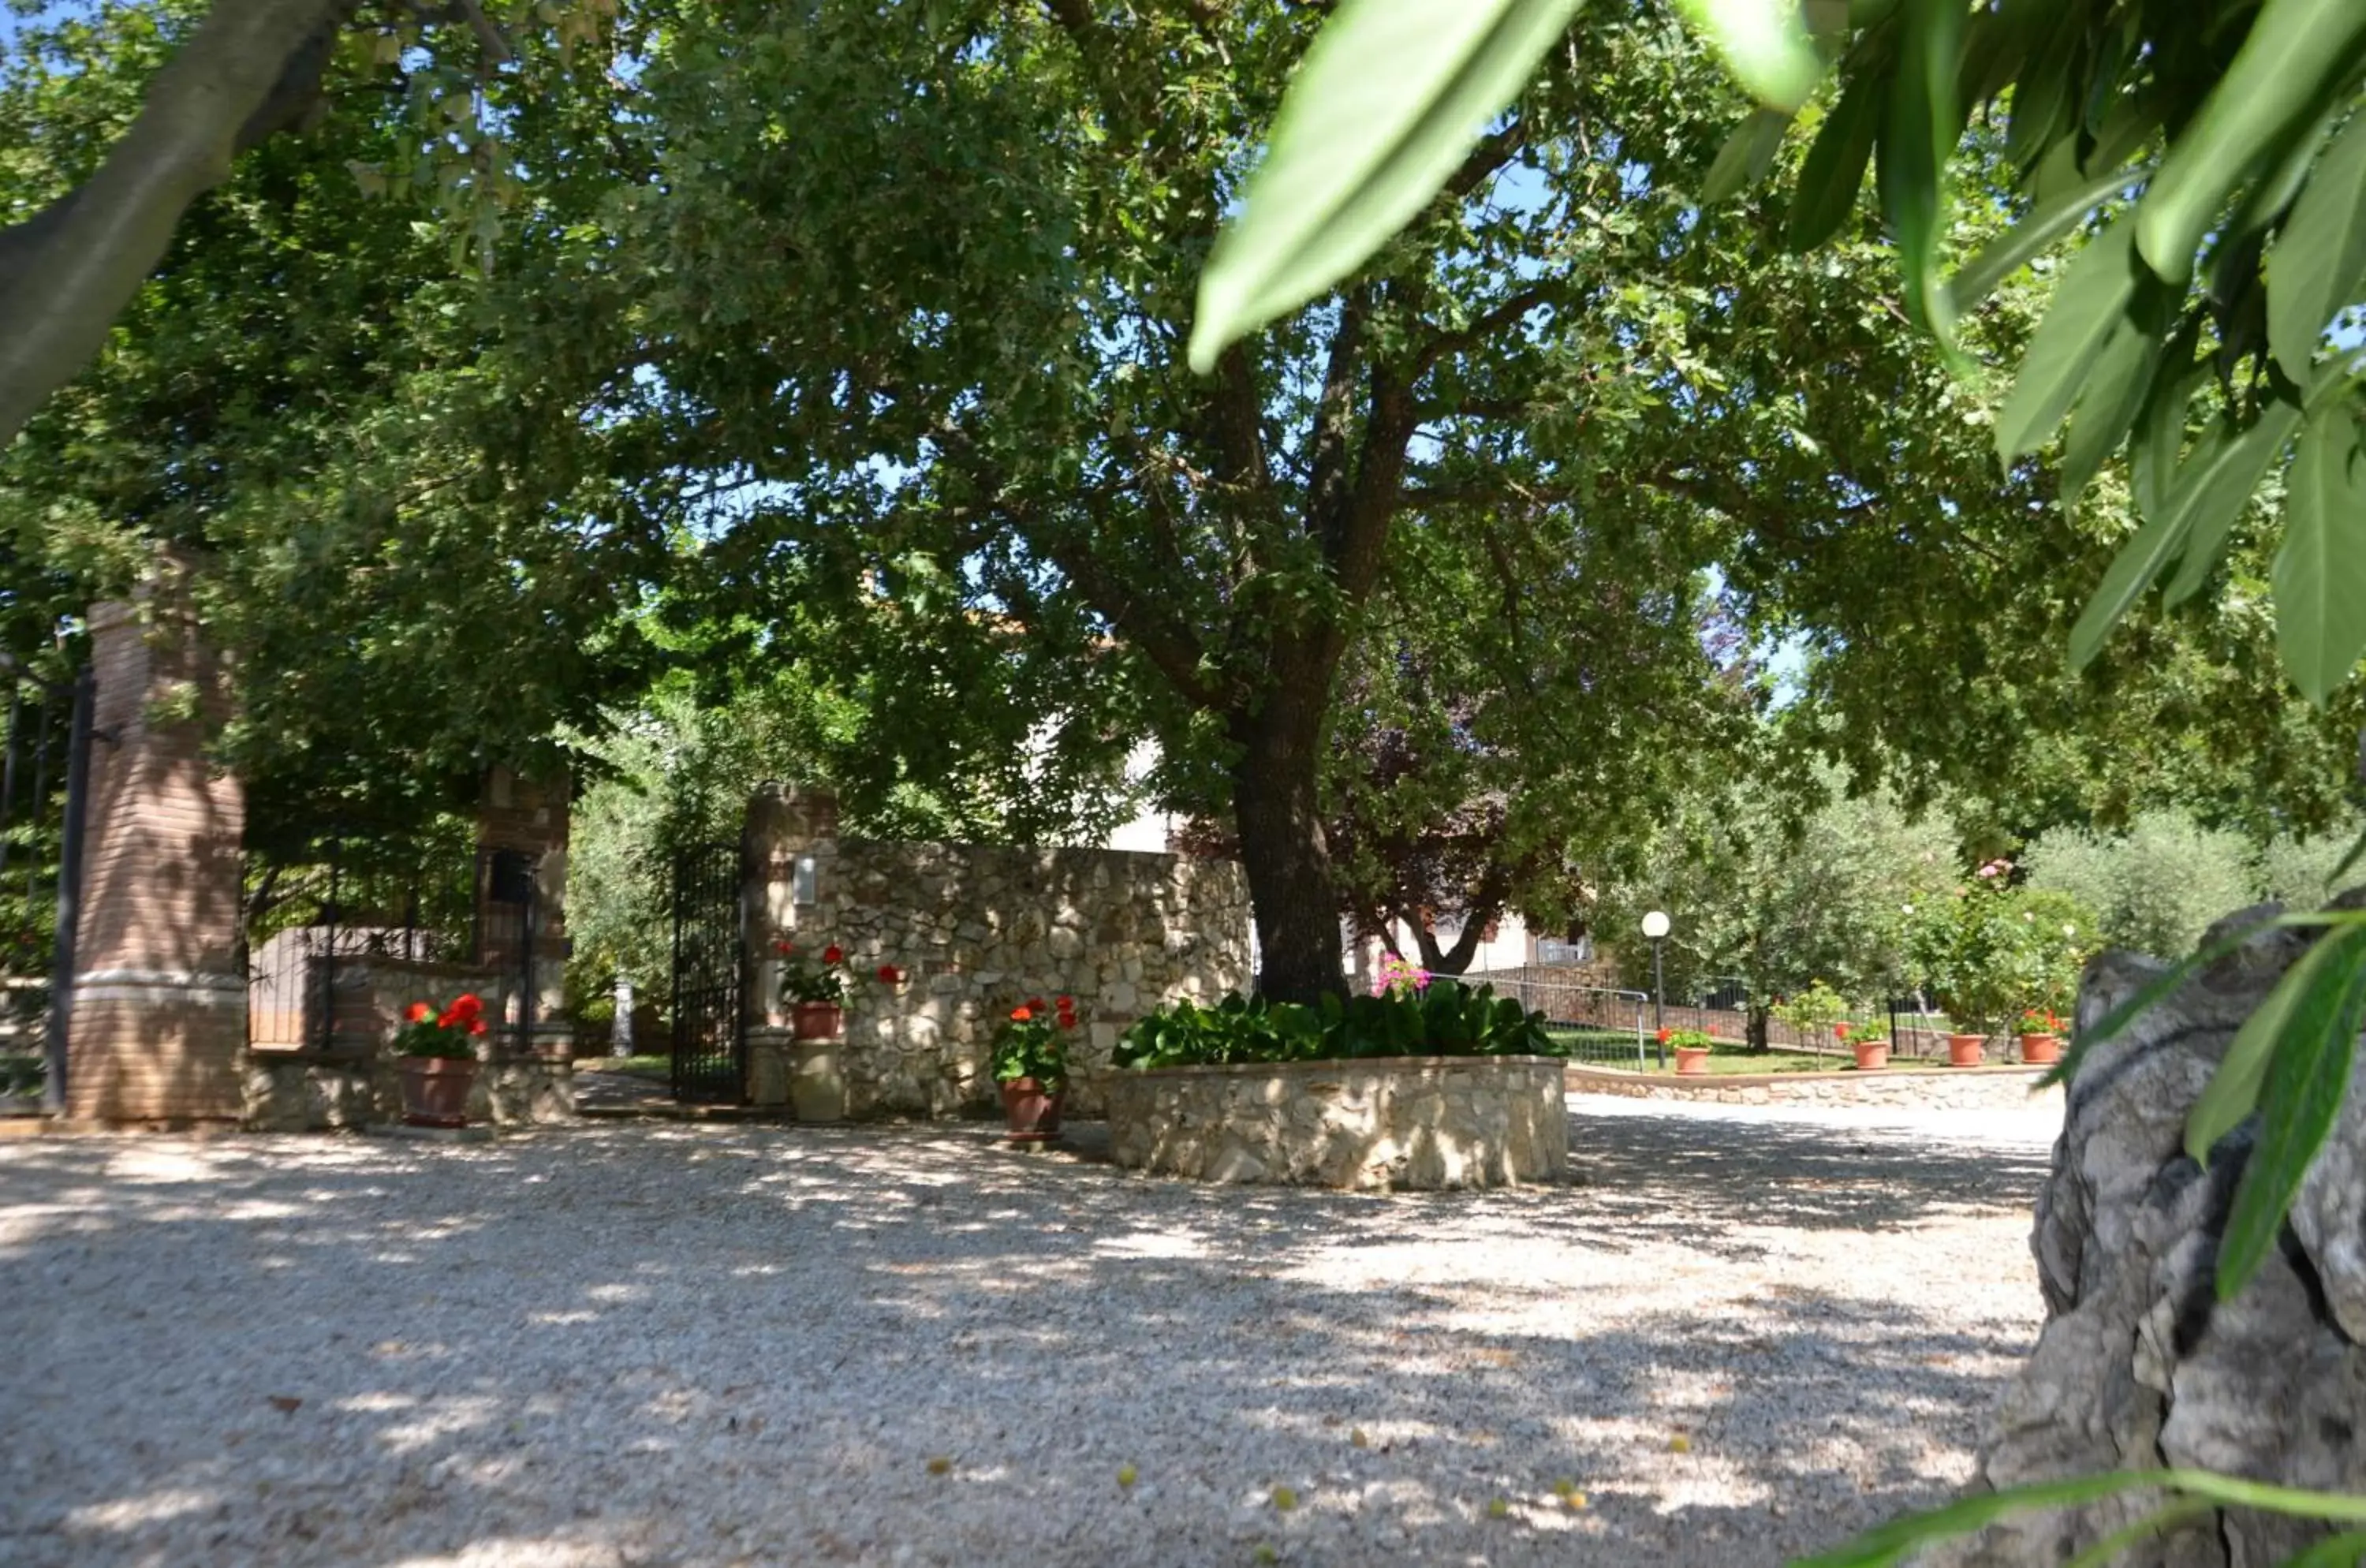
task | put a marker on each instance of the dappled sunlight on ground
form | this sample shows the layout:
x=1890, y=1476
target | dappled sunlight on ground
x=674, y=1343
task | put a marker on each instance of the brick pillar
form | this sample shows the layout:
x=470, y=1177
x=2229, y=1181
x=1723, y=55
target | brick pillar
x=159, y=1008
x=528, y=818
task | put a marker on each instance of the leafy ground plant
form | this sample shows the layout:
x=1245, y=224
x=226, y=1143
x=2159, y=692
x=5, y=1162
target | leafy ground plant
x=1448, y=1019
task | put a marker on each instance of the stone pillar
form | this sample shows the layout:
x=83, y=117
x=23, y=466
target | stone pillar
x=158, y=1010
x=783, y=826
x=522, y=833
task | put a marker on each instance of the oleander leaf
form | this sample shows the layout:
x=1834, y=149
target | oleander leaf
x=1747, y=154
x=2089, y=304
x=2305, y=1082
x=1389, y=98
x=2318, y=260
x=2295, y=52
x=2233, y=1092
x=2215, y=486
x=1764, y=44
x=2139, y=563
x=1833, y=173
x=1915, y=140
x=2319, y=574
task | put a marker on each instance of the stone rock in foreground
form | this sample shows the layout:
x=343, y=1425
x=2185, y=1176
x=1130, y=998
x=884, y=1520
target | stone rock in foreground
x=1381, y=1123
x=2139, y=1366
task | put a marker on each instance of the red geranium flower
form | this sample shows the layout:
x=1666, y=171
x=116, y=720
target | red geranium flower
x=467, y=1005
x=890, y=976
x=832, y=953
x=1035, y=1004
x=418, y=1012
x=784, y=947
x=1664, y=1036
x=475, y=1026
x=1020, y=1015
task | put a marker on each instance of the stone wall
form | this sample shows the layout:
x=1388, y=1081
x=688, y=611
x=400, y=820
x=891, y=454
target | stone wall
x=2139, y=1365
x=157, y=1015
x=304, y=1091
x=977, y=930
x=1382, y=1123
x=1925, y=1088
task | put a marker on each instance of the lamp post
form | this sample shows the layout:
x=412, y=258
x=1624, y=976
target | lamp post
x=1655, y=926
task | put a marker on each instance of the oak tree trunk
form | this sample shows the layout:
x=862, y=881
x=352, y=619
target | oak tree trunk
x=1276, y=810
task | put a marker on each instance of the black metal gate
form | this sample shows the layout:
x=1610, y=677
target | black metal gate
x=710, y=1047
x=44, y=778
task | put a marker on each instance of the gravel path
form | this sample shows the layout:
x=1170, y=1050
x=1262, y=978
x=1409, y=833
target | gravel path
x=672, y=1344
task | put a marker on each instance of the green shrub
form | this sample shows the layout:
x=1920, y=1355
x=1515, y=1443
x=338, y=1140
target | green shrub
x=1449, y=1019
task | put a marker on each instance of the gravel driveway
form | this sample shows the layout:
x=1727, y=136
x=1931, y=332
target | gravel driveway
x=659, y=1343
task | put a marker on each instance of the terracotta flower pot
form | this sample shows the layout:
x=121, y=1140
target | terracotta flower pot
x=1032, y=1114
x=2041, y=1050
x=1966, y=1050
x=816, y=1021
x=1872, y=1055
x=435, y=1090
x=1692, y=1061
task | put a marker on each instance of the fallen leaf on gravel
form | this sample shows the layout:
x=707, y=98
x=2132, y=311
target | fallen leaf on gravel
x=1680, y=1444
x=285, y=1404
x=1497, y=1509
x=1356, y=1439
x=1284, y=1498
x=1126, y=1475
x=939, y=1465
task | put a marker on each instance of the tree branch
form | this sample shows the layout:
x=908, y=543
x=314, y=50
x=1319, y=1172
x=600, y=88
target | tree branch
x=252, y=68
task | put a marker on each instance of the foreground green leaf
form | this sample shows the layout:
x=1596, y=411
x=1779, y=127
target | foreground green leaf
x=2233, y=1092
x=2320, y=569
x=2214, y=487
x=1891, y=1542
x=1389, y=99
x=2088, y=305
x=1764, y=45
x=2139, y=563
x=1915, y=140
x=2318, y=260
x=2305, y=1082
x=2296, y=51
x=1743, y=160
x=1833, y=173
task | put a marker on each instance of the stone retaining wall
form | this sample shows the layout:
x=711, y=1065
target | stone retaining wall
x=978, y=929
x=312, y=1092
x=1932, y=1089
x=1382, y=1123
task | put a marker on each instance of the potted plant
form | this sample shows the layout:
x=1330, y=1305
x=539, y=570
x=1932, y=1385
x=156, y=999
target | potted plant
x=1691, y=1047
x=1031, y=1066
x=815, y=988
x=436, y=1060
x=2041, y=1037
x=1869, y=1042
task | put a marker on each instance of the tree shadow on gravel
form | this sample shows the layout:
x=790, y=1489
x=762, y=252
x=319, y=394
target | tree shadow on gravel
x=695, y=1344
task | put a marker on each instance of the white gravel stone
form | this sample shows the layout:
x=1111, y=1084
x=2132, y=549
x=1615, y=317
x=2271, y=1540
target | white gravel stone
x=662, y=1344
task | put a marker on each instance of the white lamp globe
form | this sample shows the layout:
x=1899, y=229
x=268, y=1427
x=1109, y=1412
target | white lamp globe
x=1655, y=925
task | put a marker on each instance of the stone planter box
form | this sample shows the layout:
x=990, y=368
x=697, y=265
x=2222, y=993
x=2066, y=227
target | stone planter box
x=1377, y=1124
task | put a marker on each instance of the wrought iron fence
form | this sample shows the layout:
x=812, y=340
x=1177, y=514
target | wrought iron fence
x=309, y=916
x=1608, y=1024
x=44, y=775
x=1588, y=1023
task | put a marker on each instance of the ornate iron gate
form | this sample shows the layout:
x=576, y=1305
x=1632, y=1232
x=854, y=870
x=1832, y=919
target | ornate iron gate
x=710, y=1047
